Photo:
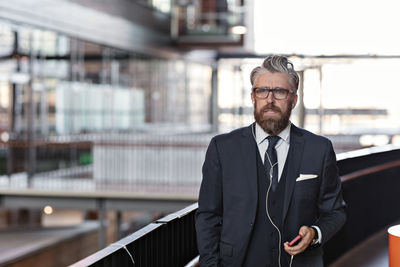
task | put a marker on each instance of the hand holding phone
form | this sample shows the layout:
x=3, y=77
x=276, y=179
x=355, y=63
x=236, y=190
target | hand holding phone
x=295, y=240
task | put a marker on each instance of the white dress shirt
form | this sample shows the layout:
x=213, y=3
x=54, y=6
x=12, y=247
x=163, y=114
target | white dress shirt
x=282, y=147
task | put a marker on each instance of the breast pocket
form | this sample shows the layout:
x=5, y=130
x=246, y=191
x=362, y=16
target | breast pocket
x=307, y=189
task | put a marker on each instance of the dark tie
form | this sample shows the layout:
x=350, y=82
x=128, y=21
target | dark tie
x=271, y=159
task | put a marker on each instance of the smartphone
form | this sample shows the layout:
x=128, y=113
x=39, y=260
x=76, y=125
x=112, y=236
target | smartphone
x=295, y=240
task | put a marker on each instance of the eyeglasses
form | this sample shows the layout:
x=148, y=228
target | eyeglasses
x=277, y=93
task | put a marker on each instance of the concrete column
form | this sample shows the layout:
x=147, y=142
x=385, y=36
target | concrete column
x=300, y=102
x=214, y=99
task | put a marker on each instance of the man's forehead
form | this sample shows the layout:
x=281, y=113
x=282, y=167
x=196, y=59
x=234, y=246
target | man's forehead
x=274, y=79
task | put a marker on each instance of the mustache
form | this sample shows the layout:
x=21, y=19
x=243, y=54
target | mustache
x=271, y=107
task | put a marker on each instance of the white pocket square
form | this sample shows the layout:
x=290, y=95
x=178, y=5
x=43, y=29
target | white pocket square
x=306, y=177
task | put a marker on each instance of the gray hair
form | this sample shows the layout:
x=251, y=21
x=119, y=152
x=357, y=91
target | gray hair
x=274, y=64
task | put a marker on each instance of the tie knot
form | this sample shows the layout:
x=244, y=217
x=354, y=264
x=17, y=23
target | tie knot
x=272, y=140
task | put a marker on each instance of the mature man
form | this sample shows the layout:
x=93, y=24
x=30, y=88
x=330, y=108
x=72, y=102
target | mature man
x=265, y=184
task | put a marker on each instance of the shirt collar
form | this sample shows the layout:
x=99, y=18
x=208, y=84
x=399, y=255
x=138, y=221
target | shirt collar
x=261, y=135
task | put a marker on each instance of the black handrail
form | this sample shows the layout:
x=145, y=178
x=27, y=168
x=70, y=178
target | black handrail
x=372, y=197
x=170, y=241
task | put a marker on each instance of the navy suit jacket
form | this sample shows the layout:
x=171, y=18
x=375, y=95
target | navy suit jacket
x=228, y=196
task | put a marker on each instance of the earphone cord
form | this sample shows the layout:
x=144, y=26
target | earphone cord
x=127, y=251
x=291, y=260
x=266, y=204
x=279, y=232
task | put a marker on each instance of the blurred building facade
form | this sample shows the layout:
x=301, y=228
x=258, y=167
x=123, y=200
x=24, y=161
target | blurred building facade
x=104, y=100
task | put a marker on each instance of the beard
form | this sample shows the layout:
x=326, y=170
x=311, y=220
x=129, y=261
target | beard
x=270, y=125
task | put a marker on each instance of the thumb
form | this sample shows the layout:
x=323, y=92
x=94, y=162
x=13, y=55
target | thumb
x=303, y=230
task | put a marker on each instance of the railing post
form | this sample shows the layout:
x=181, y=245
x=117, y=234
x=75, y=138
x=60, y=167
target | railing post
x=102, y=220
x=118, y=222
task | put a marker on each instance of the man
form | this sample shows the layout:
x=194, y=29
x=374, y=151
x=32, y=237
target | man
x=267, y=183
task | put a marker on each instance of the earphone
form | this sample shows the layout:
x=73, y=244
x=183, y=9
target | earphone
x=266, y=199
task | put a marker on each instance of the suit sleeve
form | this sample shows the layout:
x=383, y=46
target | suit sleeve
x=209, y=213
x=331, y=205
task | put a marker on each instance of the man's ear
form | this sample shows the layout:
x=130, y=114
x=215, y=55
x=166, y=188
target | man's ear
x=252, y=98
x=294, y=101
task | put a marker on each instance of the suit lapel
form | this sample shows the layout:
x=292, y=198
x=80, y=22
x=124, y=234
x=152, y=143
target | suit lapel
x=248, y=151
x=248, y=147
x=294, y=159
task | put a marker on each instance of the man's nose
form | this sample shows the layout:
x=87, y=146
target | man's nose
x=270, y=97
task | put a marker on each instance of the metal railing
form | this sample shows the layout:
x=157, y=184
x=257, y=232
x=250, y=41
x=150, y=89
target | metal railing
x=170, y=241
x=370, y=184
x=143, y=161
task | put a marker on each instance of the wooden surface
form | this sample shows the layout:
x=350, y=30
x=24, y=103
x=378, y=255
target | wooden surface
x=371, y=253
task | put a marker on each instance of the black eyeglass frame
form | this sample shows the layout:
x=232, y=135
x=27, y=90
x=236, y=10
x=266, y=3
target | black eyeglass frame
x=274, y=91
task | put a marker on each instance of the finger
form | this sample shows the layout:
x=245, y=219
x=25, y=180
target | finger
x=298, y=248
x=291, y=250
x=294, y=249
x=288, y=249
